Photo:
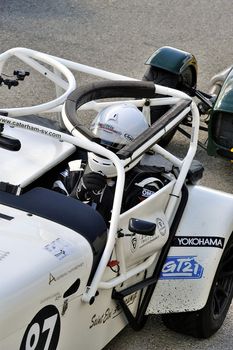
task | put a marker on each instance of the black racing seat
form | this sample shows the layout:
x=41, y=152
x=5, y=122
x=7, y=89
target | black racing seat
x=65, y=211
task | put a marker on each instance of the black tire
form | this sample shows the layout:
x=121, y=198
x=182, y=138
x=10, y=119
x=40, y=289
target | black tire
x=207, y=321
x=171, y=80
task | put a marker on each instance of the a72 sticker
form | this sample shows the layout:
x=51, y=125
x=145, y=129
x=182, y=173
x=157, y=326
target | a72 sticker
x=181, y=267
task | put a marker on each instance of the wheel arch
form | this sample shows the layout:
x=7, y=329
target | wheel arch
x=174, y=61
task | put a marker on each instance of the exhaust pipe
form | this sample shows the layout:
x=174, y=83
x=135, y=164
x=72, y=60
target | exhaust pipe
x=217, y=80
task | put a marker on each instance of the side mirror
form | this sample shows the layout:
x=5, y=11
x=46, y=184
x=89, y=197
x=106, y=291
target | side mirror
x=142, y=227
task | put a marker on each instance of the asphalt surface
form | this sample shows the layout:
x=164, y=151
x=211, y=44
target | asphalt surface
x=119, y=36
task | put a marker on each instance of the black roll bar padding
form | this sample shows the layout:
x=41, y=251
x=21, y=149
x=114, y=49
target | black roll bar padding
x=100, y=90
x=158, y=125
x=3, y=113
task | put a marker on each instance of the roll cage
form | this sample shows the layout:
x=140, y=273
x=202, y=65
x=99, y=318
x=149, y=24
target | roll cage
x=68, y=100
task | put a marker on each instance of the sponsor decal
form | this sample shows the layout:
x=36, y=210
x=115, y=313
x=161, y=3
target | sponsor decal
x=147, y=193
x=111, y=313
x=43, y=331
x=59, y=248
x=139, y=241
x=128, y=137
x=198, y=241
x=101, y=319
x=3, y=254
x=133, y=244
x=29, y=126
x=53, y=278
x=108, y=128
x=160, y=225
x=64, y=307
x=181, y=267
x=144, y=240
x=55, y=296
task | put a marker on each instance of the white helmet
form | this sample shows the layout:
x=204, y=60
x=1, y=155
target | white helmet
x=116, y=126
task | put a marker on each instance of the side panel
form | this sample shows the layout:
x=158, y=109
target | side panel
x=73, y=325
x=139, y=247
x=39, y=262
x=44, y=267
x=188, y=272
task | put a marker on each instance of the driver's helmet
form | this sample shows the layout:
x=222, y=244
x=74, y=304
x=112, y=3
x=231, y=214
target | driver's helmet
x=115, y=126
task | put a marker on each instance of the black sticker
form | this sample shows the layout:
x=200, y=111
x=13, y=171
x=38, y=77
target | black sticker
x=133, y=244
x=198, y=241
x=6, y=217
x=43, y=331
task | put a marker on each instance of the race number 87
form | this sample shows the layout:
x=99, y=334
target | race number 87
x=43, y=331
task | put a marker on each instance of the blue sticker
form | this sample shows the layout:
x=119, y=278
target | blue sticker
x=181, y=267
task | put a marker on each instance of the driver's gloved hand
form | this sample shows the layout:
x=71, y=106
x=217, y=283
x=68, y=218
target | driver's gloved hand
x=91, y=186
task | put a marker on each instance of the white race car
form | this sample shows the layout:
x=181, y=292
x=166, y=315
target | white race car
x=71, y=280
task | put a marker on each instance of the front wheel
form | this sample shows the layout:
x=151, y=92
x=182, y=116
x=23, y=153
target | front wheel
x=207, y=321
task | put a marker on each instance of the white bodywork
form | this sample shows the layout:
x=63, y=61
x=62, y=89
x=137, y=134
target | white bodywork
x=42, y=279
x=36, y=312
x=36, y=156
